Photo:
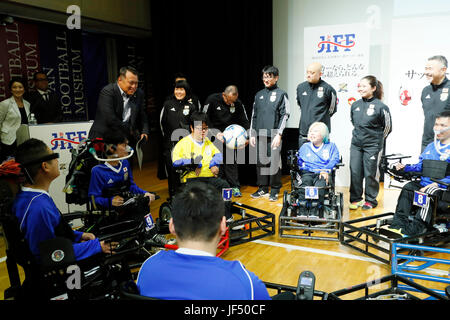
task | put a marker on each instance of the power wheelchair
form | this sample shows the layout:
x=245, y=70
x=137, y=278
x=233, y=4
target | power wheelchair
x=131, y=231
x=315, y=220
x=132, y=221
x=374, y=237
x=57, y=276
x=248, y=223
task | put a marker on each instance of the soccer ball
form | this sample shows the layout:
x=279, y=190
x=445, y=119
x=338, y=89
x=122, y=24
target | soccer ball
x=235, y=137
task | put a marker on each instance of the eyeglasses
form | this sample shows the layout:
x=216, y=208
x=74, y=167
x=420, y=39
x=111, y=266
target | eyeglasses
x=267, y=77
x=201, y=128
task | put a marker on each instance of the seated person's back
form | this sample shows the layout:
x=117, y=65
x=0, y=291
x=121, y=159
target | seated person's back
x=193, y=271
x=39, y=218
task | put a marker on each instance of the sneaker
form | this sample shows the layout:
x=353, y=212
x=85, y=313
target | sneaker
x=355, y=205
x=367, y=206
x=172, y=241
x=237, y=192
x=259, y=193
x=230, y=220
x=160, y=239
x=273, y=196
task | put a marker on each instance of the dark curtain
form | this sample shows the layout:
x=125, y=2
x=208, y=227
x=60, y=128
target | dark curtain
x=214, y=43
x=95, y=70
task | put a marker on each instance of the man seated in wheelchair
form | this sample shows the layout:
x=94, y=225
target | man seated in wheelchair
x=38, y=217
x=414, y=211
x=316, y=161
x=112, y=186
x=200, y=158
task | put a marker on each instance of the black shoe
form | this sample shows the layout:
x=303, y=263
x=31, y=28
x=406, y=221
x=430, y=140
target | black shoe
x=273, y=195
x=313, y=212
x=259, y=193
x=302, y=212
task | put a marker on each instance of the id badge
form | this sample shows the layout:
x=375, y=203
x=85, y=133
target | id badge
x=227, y=193
x=311, y=193
x=149, y=223
x=420, y=199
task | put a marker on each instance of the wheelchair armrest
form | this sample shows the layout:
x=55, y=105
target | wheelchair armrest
x=394, y=156
x=73, y=215
x=340, y=164
x=130, y=291
x=119, y=229
x=401, y=175
x=441, y=182
x=186, y=168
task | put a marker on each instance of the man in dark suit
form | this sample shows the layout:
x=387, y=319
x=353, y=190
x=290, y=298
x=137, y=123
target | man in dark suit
x=43, y=102
x=121, y=105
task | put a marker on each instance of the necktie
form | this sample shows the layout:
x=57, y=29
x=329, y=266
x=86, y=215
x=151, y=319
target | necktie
x=46, y=96
x=126, y=109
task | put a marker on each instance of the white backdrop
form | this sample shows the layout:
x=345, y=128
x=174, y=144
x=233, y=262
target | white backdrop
x=61, y=138
x=413, y=42
x=343, y=50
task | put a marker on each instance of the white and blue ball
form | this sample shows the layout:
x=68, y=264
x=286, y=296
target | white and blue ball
x=235, y=137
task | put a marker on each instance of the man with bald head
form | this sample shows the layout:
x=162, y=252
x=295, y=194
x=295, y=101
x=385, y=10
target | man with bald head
x=224, y=109
x=316, y=99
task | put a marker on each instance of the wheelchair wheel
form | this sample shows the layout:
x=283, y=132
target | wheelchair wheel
x=286, y=197
x=165, y=212
x=340, y=204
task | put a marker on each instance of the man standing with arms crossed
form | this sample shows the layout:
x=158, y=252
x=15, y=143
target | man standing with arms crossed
x=316, y=99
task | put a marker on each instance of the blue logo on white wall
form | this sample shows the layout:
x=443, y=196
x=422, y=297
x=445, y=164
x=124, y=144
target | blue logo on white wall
x=337, y=42
x=65, y=140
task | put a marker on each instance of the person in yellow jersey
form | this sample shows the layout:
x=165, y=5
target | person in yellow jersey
x=198, y=150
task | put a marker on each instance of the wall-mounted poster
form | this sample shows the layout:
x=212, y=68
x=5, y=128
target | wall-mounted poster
x=343, y=51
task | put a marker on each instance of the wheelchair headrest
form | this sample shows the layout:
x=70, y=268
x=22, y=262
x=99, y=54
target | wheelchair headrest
x=17, y=245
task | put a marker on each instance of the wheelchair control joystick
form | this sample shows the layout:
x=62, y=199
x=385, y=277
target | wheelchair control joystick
x=305, y=287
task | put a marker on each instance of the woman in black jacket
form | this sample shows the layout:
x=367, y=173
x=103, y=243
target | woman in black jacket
x=372, y=124
x=174, y=122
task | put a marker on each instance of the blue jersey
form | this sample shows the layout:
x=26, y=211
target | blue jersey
x=38, y=218
x=430, y=153
x=313, y=159
x=105, y=175
x=178, y=276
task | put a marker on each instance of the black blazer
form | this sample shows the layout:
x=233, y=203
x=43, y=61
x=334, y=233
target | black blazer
x=110, y=109
x=45, y=111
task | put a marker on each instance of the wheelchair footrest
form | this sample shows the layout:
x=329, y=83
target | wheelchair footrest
x=372, y=237
x=252, y=224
